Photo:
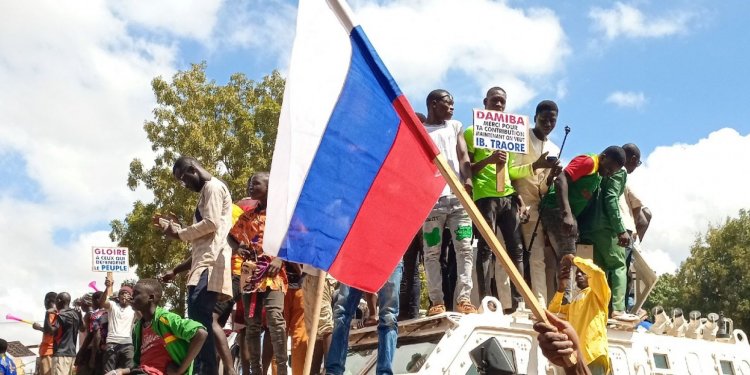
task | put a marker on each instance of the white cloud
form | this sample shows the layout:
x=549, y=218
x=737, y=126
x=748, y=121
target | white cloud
x=688, y=188
x=423, y=42
x=41, y=266
x=630, y=22
x=76, y=90
x=627, y=99
x=660, y=261
x=267, y=26
x=183, y=18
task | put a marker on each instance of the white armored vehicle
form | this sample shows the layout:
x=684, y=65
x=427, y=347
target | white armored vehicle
x=441, y=344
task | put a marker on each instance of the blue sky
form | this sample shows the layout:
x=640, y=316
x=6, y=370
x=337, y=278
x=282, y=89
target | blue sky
x=670, y=76
x=689, y=78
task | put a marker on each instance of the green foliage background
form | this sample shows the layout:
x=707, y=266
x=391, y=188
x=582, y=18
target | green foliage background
x=229, y=128
x=714, y=277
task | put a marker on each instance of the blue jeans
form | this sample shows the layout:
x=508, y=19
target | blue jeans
x=200, y=306
x=343, y=310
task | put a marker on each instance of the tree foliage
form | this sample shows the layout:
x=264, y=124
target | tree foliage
x=230, y=129
x=713, y=278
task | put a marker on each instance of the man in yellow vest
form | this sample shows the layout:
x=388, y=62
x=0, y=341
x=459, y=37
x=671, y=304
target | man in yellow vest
x=587, y=310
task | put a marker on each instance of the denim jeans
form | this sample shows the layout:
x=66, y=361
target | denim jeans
x=411, y=285
x=200, y=306
x=343, y=310
x=448, y=213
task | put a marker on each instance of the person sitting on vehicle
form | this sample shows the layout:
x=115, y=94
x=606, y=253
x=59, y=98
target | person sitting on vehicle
x=587, y=311
x=164, y=342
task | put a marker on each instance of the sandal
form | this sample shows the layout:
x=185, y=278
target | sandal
x=436, y=309
x=465, y=307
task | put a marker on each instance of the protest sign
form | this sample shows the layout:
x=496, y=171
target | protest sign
x=110, y=259
x=501, y=131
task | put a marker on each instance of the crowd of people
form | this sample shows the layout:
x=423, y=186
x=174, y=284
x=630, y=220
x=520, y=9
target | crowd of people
x=587, y=202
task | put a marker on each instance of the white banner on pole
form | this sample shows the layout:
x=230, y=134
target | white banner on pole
x=501, y=131
x=110, y=259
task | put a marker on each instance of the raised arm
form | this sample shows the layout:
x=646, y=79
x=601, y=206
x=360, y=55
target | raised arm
x=104, y=299
x=597, y=279
x=563, y=279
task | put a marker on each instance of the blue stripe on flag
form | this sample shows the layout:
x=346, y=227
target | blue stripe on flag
x=359, y=136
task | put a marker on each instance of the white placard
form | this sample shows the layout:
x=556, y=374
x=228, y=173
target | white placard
x=110, y=259
x=501, y=131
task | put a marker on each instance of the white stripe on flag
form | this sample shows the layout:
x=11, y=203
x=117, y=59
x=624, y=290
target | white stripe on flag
x=319, y=64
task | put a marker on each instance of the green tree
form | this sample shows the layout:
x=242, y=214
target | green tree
x=713, y=277
x=230, y=129
x=665, y=293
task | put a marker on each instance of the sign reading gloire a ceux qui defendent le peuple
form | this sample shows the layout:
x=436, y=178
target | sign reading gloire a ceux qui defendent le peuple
x=109, y=259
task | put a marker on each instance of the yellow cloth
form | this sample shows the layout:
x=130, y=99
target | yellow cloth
x=587, y=312
x=237, y=260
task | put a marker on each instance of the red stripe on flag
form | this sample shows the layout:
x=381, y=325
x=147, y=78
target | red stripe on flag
x=399, y=200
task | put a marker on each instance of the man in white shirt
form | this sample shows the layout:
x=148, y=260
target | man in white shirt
x=531, y=189
x=448, y=211
x=120, y=316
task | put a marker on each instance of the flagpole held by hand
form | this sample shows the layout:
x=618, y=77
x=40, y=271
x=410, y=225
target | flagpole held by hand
x=486, y=232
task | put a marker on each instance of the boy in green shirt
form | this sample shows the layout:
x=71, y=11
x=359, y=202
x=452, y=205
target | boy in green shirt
x=164, y=342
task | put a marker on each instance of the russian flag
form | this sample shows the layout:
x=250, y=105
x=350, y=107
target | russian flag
x=352, y=177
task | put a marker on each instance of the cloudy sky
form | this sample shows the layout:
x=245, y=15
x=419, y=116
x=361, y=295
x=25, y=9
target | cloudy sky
x=667, y=75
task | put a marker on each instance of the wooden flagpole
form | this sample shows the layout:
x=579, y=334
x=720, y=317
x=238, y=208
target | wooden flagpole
x=486, y=232
x=313, y=335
